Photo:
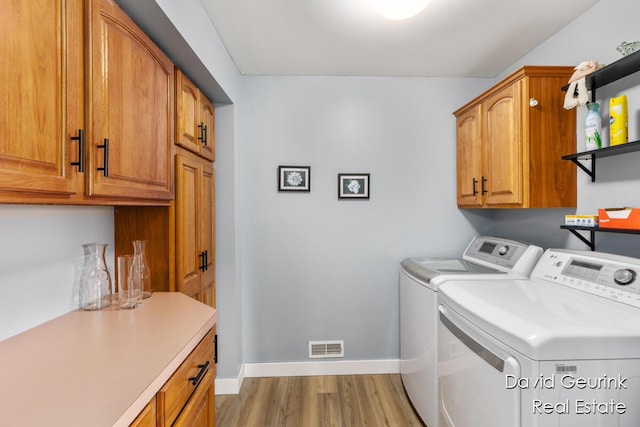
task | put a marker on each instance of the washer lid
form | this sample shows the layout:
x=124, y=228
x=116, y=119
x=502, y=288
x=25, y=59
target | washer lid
x=546, y=321
x=433, y=271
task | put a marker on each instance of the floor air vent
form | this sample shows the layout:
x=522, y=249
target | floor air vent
x=326, y=349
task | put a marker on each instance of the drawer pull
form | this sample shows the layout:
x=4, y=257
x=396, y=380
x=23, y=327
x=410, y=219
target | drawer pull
x=203, y=370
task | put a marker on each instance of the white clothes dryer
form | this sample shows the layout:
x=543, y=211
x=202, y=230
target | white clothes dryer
x=484, y=257
x=561, y=349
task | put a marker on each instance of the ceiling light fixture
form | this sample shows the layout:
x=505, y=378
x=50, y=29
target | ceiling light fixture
x=399, y=9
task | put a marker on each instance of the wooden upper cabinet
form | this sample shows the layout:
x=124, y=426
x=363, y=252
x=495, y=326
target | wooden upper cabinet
x=510, y=143
x=469, y=155
x=187, y=113
x=88, y=111
x=208, y=113
x=195, y=118
x=130, y=113
x=503, y=147
x=41, y=82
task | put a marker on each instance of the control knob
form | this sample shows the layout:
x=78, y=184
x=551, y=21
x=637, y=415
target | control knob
x=624, y=276
x=503, y=250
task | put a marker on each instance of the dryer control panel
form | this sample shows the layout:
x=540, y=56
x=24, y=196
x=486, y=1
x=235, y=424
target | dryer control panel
x=610, y=276
x=509, y=255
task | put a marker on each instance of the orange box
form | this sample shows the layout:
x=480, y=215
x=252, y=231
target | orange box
x=626, y=218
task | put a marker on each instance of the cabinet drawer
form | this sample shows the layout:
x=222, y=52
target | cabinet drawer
x=200, y=410
x=175, y=393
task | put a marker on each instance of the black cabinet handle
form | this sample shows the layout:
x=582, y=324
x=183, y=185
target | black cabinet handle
x=474, y=182
x=201, y=129
x=105, y=156
x=202, y=262
x=203, y=370
x=206, y=260
x=205, y=139
x=484, y=190
x=80, y=139
x=215, y=349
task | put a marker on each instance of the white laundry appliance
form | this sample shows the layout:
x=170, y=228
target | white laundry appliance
x=561, y=349
x=484, y=257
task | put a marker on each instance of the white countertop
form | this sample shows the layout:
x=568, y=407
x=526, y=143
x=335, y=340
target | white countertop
x=98, y=368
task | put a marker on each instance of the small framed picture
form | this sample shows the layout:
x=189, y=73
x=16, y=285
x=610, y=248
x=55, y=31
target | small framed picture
x=294, y=178
x=353, y=186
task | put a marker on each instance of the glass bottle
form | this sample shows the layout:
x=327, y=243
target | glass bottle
x=140, y=268
x=95, y=282
x=593, y=127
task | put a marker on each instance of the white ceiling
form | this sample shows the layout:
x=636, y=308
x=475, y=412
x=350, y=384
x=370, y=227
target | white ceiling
x=450, y=38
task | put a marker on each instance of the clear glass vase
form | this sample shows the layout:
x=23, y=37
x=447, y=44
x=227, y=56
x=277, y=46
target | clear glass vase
x=95, y=282
x=140, y=268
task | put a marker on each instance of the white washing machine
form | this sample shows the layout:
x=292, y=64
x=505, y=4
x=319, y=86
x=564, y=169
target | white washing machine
x=484, y=257
x=561, y=349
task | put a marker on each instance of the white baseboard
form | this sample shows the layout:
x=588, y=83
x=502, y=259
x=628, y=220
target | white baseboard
x=230, y=385
x=305, y=369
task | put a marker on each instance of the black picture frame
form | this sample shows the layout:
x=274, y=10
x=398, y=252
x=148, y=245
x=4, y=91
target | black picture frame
x=353, y=186
x=294, y=178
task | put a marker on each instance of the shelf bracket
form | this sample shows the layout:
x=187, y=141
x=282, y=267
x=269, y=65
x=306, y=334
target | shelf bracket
x=592, y=172
x=591, y=242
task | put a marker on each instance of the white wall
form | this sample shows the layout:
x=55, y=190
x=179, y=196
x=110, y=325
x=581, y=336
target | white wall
x=228, y=254
x=41, y=258
x=314, y=267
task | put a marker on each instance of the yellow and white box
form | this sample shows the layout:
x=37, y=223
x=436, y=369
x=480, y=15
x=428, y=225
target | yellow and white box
x=581, y=220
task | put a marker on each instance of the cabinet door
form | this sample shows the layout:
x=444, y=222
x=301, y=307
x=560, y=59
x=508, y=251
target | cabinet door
x=187, y=113
x=207, y=118
x=188, y=255
x=41, y=87
x=503, y=149
x=469, y=157
x=200, y=410
x=131, y=109
x=207, y=233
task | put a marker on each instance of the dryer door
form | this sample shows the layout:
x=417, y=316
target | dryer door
x=472, y=373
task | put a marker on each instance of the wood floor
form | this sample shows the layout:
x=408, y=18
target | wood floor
x=321, y=401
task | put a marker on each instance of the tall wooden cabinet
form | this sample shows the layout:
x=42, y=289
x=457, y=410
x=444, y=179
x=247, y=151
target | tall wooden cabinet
x=510, y=142
x=88, y=107
x=195, y=246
